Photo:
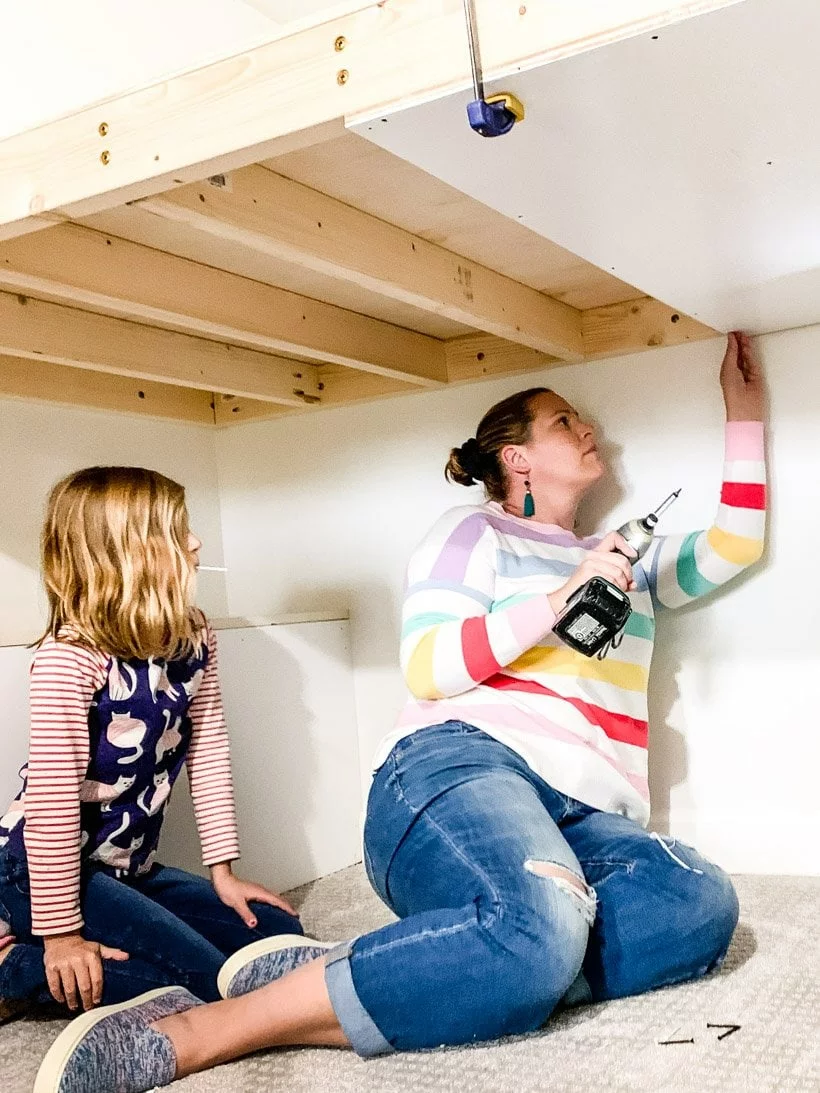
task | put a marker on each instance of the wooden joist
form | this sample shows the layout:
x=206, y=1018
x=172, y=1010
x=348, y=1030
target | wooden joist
x=43, y=381
x=281, y=218
x=43, y=331
x=388, y=55
x=73, y=265
x=637, y=325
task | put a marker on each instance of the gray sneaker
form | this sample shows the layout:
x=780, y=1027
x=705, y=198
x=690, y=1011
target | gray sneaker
x=115, y=1048
x=263, y=961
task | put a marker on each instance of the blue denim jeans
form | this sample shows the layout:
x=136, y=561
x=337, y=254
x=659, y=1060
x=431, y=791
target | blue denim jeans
x=512, y=898
x=172, y=923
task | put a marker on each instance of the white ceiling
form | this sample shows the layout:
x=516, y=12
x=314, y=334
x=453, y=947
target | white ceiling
x=57, y=57
x=688, y=165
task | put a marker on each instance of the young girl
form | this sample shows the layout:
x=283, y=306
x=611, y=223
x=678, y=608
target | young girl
x=506, y=821
x=124, y=691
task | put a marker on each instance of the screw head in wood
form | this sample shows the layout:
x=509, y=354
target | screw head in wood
x=340, y=43
x=103, y=129
x=342, y=76
x=105, y=158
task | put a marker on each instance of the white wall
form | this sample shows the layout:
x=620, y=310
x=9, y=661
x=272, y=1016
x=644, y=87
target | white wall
x=39, y=443
x=322, y=511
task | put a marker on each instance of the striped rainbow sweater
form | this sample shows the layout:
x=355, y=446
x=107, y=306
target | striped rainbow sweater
x=477, y=641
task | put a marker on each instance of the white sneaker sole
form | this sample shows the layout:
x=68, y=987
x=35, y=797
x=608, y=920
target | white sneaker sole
x=234, y=964
x=53, y=1065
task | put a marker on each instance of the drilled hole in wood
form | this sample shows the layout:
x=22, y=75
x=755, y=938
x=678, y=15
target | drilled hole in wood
x=234, y=409
x=108, y=242
x=479, y=356
x=140, y=394
x=676, y=318
x=202, y=197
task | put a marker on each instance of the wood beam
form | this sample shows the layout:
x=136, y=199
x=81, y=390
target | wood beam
x=337, y=387
x=293, y=223
x=40, y=380
x=393, y=53
x=637, y=325
x=83, y=268
x=38, y=330
x=483, y=356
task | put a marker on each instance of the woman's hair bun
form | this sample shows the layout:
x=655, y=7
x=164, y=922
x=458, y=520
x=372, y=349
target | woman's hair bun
x=466, y=464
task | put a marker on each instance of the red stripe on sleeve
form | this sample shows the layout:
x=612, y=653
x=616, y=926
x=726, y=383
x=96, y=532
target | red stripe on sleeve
x=475, y=648
x=744, y=495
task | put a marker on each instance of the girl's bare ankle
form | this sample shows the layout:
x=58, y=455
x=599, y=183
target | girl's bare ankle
x=177, y=1028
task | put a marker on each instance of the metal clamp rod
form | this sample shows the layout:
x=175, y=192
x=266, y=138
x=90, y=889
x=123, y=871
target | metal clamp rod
x=475, y=53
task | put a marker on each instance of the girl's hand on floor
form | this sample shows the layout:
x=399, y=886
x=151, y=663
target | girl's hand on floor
x=238, y=893
x=74, y=969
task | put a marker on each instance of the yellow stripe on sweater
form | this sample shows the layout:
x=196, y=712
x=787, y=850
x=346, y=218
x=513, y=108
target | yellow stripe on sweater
x=419, y=674
x=736, y=549
x=566, y=662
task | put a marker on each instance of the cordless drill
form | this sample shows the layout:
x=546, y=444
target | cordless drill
x=594, y=617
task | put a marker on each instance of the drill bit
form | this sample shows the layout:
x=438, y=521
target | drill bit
x=664, y=505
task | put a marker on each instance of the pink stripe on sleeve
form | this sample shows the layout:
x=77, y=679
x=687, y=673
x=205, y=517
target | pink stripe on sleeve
x=209, y=768
x=531, y=620
x=64, y=678
x=744, y=440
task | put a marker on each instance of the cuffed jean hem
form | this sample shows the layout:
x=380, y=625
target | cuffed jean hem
x=357, y=1024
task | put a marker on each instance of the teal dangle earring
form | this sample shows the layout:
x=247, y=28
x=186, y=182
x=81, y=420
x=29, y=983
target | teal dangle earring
x=529, y=503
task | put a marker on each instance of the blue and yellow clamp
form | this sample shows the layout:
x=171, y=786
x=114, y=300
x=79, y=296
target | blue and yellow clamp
x=489, y=115
x=495, y=115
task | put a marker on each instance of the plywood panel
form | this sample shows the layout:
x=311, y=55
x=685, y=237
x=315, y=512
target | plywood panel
x=685, y=161
x=360, y=173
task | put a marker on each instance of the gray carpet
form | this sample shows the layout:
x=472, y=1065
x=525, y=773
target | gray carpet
x=769, y=986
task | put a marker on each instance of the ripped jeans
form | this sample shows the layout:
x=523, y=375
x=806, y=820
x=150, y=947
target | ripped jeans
x=512, y=898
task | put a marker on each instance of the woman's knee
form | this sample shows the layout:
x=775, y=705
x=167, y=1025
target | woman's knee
x=537, y=953
x=706, y=893
x=715, y=903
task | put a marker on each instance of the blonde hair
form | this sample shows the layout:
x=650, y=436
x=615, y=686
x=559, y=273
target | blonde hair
x=118, y=573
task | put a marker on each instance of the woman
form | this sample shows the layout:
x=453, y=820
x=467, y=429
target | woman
x=505, y=823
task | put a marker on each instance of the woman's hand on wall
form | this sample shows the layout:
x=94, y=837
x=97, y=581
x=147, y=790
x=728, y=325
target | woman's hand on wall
x=741, y=380
x=604, y=562
x=238, y=893
x=74, y=968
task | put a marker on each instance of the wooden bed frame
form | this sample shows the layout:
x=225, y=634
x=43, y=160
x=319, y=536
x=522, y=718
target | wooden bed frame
x=220, y=247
